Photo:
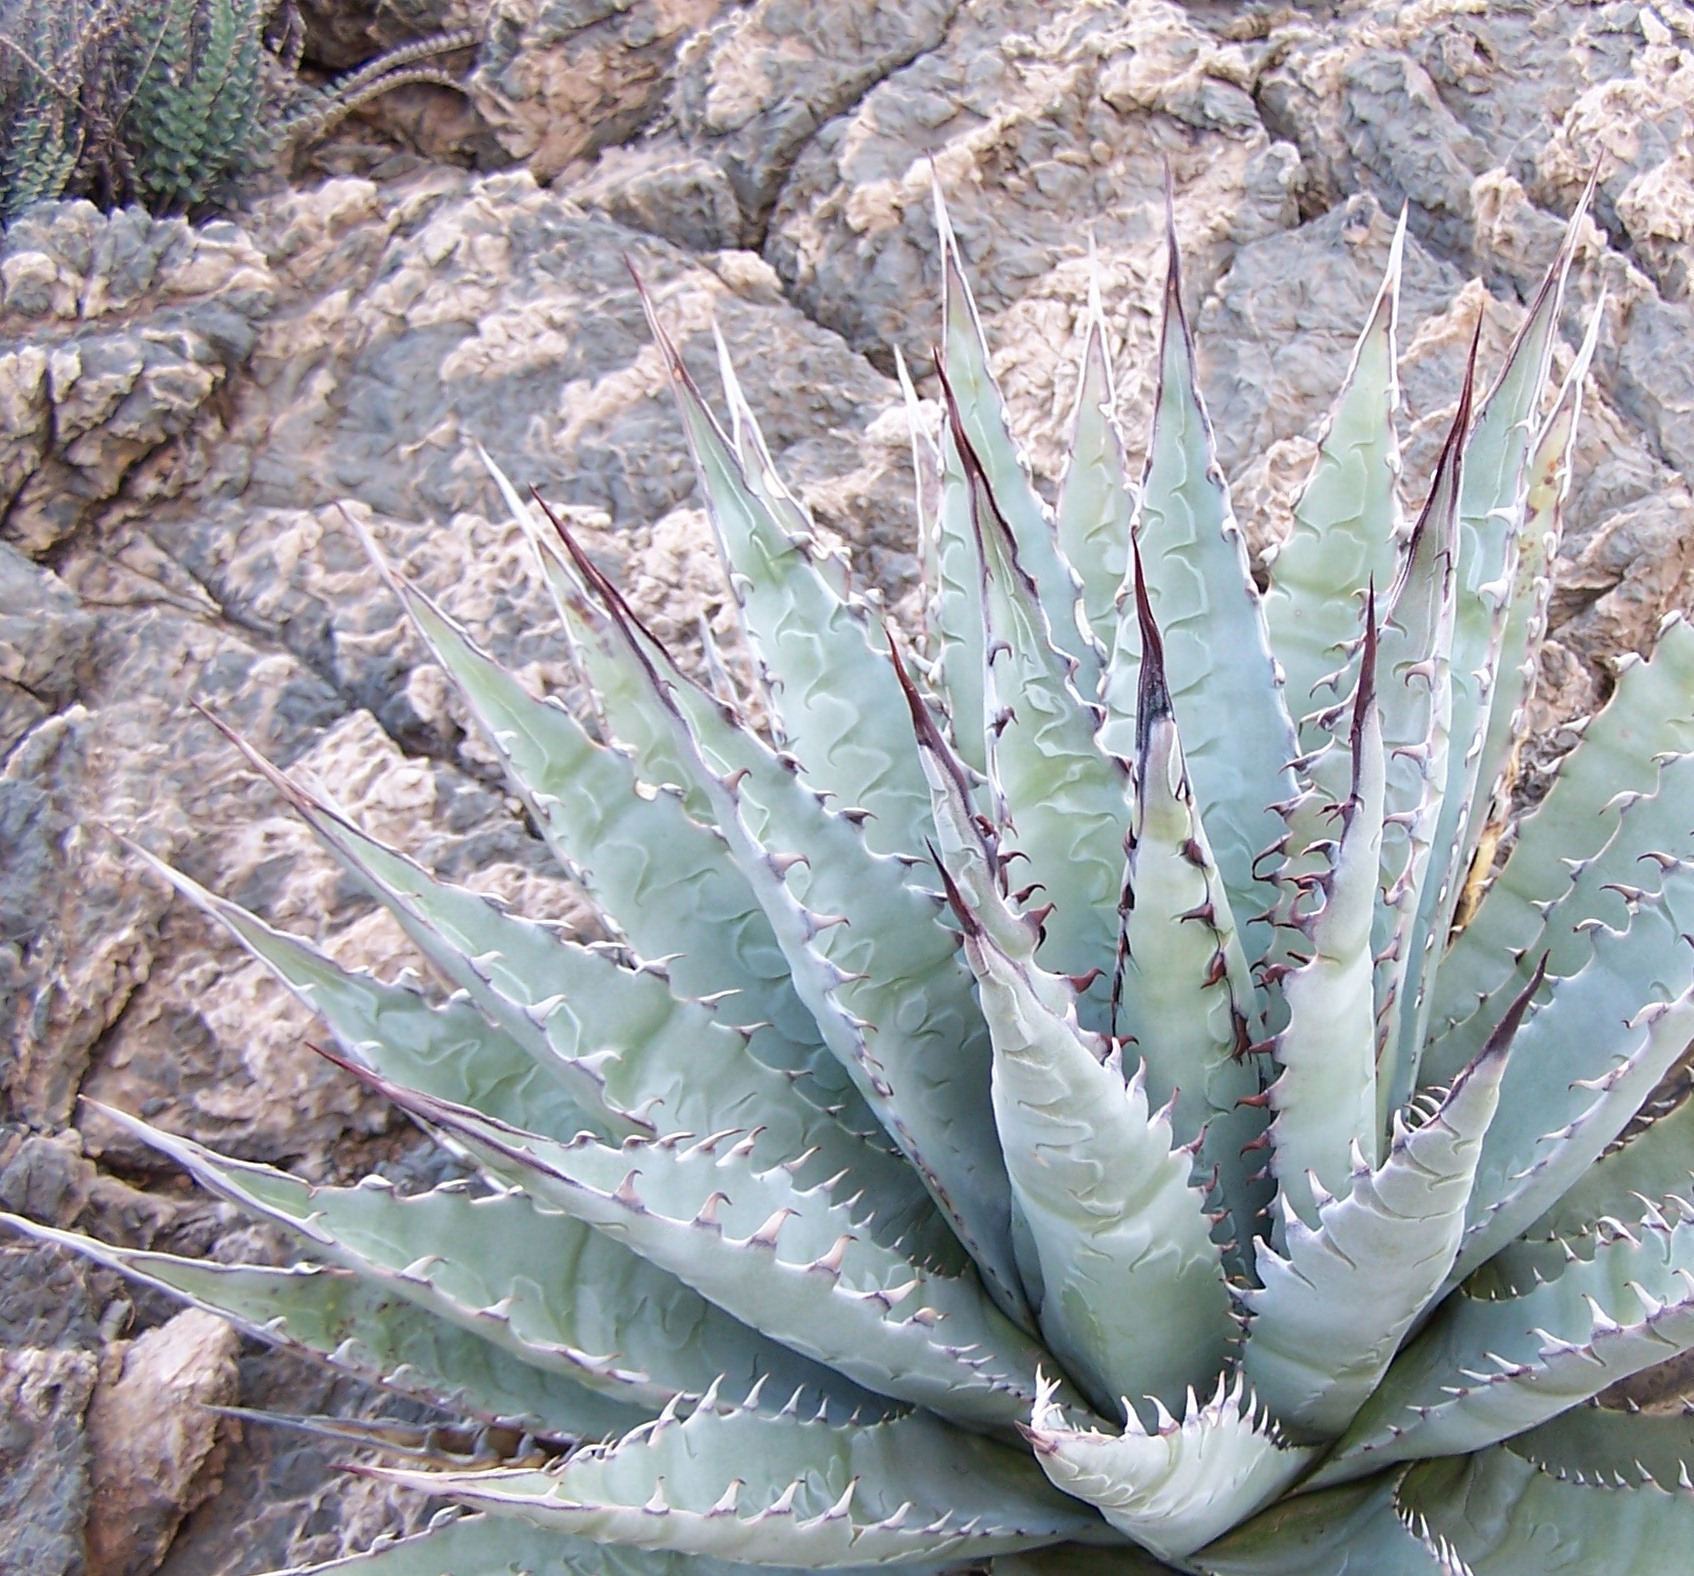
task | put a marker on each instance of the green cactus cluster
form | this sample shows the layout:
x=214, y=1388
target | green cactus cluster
x=1039, y=1104
x=168, y=102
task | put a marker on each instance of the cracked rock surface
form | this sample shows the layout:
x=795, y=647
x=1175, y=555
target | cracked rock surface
x=190, y=414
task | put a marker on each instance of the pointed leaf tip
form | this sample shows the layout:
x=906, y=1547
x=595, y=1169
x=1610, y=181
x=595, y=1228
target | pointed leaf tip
x=1365, y=699
x=923, y=725
x=1173, y=315
x=1154, y=697
x=977, y=474
x=602, y=586
x=1173, y=253
x=968, y=921
x=1499, y=1042
x=1467, y=389
x=405, y=1098
x=666, y=345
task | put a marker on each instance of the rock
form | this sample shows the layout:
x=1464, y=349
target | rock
x=47, y=1179
x=493, y=312
x=282, y=1503
x=1476, y=115
x=47, y=1299
x=754, y=89
x=340, y=35
x=1655, y=388
x=1640, y=560
x=44, y=1479
x=1277, y=334
x=435, y=121
x=1026, y=115
x=45, y=643
x=1635, y=122
x=115, y=332
x=273, y=618
x=73, y=921
x=560, y=79
x=1365, y=113
x=154, y=1447
x=666, y=192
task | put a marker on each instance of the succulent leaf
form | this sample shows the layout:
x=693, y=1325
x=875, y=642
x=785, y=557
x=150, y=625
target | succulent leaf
x=1325, y=1096
x=1586, y=1061
x=502, y=1546
x=1096, y=499
x=650, y=1070
x=1348, y=1530
x=879, y=973
x=666, y=881
x=1133, y=1287
x=1647, y=1170
x=811, y=1272
x=959, y=645
x=1500, y=1516
x=1415, y=662
x=450, y=1050
x=361, y=1329
x=947, y=1167
x=1490, y=520
x=926, y=488
x=643, y=1073
x=546, y=1287
x=1609, y=1446
x=1175, y=1487
x=1223, y=681
x=760, y=1489
x=987, y=430
x=1331, y=1308
x=1545, y=487
x=1347, y=527
x=832, y=689
x=614, y=672
x=503, y=962
x=1181, y=993
x=1619, y=798
x=1492, y=1367
x=1059, y=800
x=762, y=478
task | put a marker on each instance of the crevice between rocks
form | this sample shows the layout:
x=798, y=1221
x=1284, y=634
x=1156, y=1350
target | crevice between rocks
x=849, y=103
x=422, y=742
x=850, y=95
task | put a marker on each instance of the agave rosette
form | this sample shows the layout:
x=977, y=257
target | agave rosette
x=1041, y=1105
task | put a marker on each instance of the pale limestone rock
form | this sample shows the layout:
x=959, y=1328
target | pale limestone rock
x=115, y=332
x=753, y=90
x=154, y=1446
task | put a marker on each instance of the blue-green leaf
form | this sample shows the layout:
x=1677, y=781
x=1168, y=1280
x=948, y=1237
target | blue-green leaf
x=361, y=1329
x=1332, y=1307
x=1224, y=684
x=1500, y=1516
x=1176, y=1487
x=1347, y=527
x=1115, y=1222
x=750, y=1487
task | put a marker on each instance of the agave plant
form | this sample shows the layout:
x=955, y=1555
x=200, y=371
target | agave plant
x=1040, y=1103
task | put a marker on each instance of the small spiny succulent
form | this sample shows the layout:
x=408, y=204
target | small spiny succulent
x=172, y=103
x=1063, y=1091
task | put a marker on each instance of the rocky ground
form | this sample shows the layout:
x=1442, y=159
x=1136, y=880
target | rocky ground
x=187, y=413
